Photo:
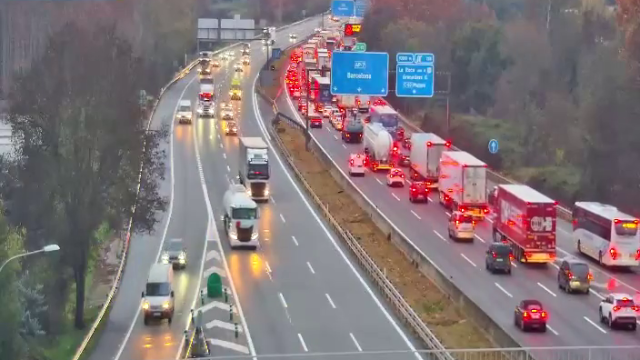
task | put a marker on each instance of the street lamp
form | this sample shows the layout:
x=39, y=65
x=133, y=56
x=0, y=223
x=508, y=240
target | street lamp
x=46, y=248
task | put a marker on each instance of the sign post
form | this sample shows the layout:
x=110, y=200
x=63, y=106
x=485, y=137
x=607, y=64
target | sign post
x=359, y=73
x=415, y=74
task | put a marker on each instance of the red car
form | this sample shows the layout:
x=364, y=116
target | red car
x=529, y=314
x=315, y=121
x=419, y=192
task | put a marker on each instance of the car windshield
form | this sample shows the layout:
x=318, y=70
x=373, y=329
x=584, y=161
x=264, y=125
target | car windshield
x=533, y=307
x=244, y=214
x=184, y=108
x=158, y=289
x=206, y=81
x=625, y=303
x=465, y=218
x=174, y=246
x=501, y=250
x=396, y=173
x=580, y=269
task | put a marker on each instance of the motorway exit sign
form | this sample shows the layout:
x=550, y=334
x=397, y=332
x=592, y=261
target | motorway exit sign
x=359, y=73
x=360, y=47
x=415, y=74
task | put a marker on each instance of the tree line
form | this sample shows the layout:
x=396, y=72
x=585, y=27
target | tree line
x=556, y=82
x=81, y=135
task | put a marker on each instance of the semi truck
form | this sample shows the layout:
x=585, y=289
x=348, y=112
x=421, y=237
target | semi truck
x=426, y=150
x=206, y=100
x=378, y=145
x=253, y=170
x=526, y=219
x=463, y=183
x=240, y=218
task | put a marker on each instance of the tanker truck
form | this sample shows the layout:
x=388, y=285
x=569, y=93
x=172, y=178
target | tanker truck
x=378, y=145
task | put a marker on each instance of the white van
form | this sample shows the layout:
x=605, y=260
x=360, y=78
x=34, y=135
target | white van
x=158, y=297
x=185, y=112
x=356, y=165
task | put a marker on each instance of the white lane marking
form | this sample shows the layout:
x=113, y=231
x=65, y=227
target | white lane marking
x=491, y=221
x=552, y=330
x=229, y=345
x=378, y=180
x=547, y=290
x=395, y=196
x=479, y=238
x=595, y=325
x=213, y=255
x=310, y=268
x=448, y=213
x=600, y=296
x=273, y=200
x=294, y=240
x=335, y=137
x=503, y=290
x=304, y=346
x=214, y=269
x=282, y=218
x=266, y=265
x=220, y=144
x=216, y=304
x=440, y=236
x=468, y=260
x=416, y=215
x=344, y=146
x=282, y=300
x=224, y=155
x=330, y=301
x=222, y=325
x=166, y=225
x=313, y=212
x=353, y=338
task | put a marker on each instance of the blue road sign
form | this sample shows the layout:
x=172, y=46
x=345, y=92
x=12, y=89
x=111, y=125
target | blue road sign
x=493, y=146
x=359, y=73
x=276, y=53
x=415, y=75
x=344, y=8
x=361, y=7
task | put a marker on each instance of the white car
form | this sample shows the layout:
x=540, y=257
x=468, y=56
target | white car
x=461, y=226
x=238, y=68
x=395, y=177
x=356, y=165
x=619, y=310
x=265, y=42
x=226, y=111
x=293, y=36
x=317, y=30
x=326, y=111
x=224, y=56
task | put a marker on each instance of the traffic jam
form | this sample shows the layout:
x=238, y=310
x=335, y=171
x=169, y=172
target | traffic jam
x=522, y=220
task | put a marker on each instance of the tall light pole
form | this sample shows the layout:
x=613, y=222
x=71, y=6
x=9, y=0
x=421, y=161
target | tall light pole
x=46, y=248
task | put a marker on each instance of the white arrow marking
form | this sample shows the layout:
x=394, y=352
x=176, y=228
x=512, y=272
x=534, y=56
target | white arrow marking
x=218, y=305
x=212, y=270
x=223, y=325
x=229, y=345
x=213, y=255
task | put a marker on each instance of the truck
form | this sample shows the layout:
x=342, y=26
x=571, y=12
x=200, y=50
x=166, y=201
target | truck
x=347, y=101
x=240, y=218
x=426, y=150
x=378, y=145
x=253, y=169
x=463, y=183
x=363, y=102
x=352, y=130
x=206, y=100
x=526, y=219
x=235, y=91
x=387, y=117
x=324, y=61
x=309, y=53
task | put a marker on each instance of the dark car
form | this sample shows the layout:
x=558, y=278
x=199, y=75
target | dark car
x=315, y=122
x=499, y=258
x=530, y=314
x=419, y=192
x=574, y=275
x=175, y=254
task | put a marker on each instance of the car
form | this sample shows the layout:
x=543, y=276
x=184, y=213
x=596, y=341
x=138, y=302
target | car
x=224, y=56
x=293, y=36
x=338, y=125
x=226, y=111
x=317, y=30
x=302, y=104
x=395, y=177
x=498, y=258
x=356, y=164
x=418, y=192
x=326, y=111
x=461, y=226
x=185, y=112
x=231, y=128
x=574, y=275
x=215, y=63
x=618, y=309
x=336, y=115
x=379, y=102
x=404, y=160
x=246, y=60
x=493, y=196
x=407, y=143
x=315, y=121
x=265, y=42
x=530, y=314
x=238, y=68
x=175, y=254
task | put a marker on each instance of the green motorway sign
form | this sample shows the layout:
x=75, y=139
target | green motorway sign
x=360, y=47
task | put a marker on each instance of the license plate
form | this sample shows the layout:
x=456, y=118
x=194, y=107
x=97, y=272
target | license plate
x=535, y=316
x=157, y=313
x=575, y=283
x=498, y=259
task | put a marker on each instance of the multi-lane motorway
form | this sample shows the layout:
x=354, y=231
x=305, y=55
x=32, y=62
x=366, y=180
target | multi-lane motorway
x=298, y=293
x=573, y=318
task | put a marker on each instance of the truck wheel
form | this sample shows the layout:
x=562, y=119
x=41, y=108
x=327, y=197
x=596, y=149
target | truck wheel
x=410, y=199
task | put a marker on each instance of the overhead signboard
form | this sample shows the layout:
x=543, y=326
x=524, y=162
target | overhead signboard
x=415, y=75
x=359, y=73
x=361, y=7
x=343, y=8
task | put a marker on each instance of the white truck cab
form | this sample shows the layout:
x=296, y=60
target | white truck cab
x=158, y=297
x=185, y=112
x=240, y=218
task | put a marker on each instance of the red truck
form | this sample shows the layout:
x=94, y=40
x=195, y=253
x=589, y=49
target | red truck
x=526, y=219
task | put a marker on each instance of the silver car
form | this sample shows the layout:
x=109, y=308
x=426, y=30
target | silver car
x=175, y=254
x=461, y=226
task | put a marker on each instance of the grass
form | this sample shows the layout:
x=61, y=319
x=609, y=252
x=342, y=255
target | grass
x=430, y=303
x=65, y=345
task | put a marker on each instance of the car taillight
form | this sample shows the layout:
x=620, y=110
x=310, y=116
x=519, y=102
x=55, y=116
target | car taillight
x=613, y=253
x=570, y=275
x=638, y=254
x=590, y=276
x=635, y=308
x=511, y=257
x=351, y=162
x=486, y=210
x=525, y=315
x=543, y=314
x=616, y=308
x=494, y=255
x=457, y=222
x=237, y=224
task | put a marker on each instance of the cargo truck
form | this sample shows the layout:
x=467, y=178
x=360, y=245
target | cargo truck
x=426, y=150
x=347, y=101
x=253, y=170
x=352, y=129
x=463, y=183
x=240, y=218
x=378, y=145
x=526, y=219
x=206, y=100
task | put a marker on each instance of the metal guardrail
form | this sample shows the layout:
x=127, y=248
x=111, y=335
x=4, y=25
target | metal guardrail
x=114, y=288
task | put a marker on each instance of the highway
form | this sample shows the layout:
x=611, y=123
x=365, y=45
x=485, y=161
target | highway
x=573, y=318
x=298, y=293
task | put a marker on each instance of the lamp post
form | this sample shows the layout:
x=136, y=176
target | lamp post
x=46, y=248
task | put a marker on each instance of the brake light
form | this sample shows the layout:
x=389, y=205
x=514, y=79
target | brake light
x=543, y=314
x=638, y=254
x=525, y=315
x=457, y=222
x=494, y=255
x=635, y=308
x=616, y=308
x=590, y=276
x=351, y=162
x=447, y=144
x=613, y=253
x=237, y=224
x=570, y=275
x=486, y=210
x=429, y=144
x=511, y=257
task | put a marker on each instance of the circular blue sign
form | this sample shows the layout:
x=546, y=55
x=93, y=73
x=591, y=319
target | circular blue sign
x=493, y=146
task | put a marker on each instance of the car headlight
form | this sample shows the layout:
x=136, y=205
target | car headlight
x=165, y=305
x=165, y=258
x=145, y=305
x=182, y=256
x=266, y=192
x=254, y=235
x=233, y=235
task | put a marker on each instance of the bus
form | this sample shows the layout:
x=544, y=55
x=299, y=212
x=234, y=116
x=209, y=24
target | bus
x=320, y=89
x=386, y=116
x=606, y=234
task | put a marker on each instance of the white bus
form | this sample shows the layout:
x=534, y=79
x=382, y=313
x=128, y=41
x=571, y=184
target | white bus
x=606, y=234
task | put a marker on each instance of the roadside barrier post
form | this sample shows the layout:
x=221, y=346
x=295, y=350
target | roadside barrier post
x=226, y=295
x=230, y=312
x=236, y=330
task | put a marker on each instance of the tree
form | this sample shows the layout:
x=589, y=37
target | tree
x=82, y=140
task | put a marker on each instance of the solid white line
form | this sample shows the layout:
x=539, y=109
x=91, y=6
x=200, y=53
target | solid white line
x=273, y=200
x=344, y=146
x=440, y=236
x=266, y=265
x=282, y=300
x=282, y=218
x=468, y=260
x=304, y=346
x=416, y=215
x=547, y=290
x=220, y=145
x=395, y=196
x=330, y=301
x=448, y=213
x=294, y=240
x=355, y=342
x=552, y=330
x=166, y=225
x=310, y=268
x=378, y=180
x=479, y=238
x=594, y=324
x=503, y=290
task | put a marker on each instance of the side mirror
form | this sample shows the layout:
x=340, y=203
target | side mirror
x=172, y=294
x=488, y=251
x=143, y=294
